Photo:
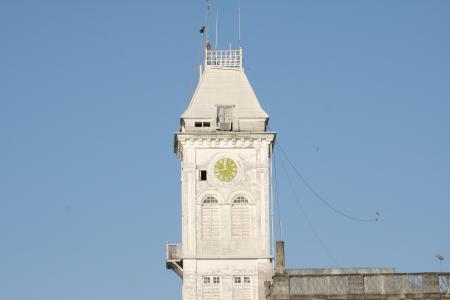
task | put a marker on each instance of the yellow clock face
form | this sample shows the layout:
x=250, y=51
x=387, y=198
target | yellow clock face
x=225, y=169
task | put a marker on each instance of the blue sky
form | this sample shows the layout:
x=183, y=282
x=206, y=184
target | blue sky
x=91, y=93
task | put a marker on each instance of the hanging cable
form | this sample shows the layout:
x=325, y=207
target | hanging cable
x=306, y=217
x=306, y=183
x=277, y=200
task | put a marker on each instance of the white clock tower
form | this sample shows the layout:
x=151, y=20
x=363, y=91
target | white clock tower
x=225, y=152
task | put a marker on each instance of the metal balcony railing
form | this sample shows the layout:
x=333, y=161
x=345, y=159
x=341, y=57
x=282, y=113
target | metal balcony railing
x=173, y=252
x=370, y=284
x=173, y=258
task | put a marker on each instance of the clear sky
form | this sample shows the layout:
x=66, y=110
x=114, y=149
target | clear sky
x=90, y=96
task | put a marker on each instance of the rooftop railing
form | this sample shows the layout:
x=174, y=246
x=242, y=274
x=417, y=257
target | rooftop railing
x=381, y=284
x=224, y=58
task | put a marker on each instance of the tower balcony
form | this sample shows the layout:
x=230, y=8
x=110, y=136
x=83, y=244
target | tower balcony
x=173, y=258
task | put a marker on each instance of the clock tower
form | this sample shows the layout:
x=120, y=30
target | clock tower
x=225, y=152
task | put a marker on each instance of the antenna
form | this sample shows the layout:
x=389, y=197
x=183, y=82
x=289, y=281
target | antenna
x=206, y=26
x=239, y=23
x=217, y=22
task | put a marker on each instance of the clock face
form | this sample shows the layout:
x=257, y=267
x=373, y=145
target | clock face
x=225, y=169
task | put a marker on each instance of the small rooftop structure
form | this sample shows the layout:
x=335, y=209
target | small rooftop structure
x=224, y=58
x=224, y=99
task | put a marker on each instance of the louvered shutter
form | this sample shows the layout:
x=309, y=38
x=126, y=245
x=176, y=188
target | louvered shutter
x=216, y=291
x=210, y=220
x=242, y=289
x=215, y=220
x=211, y=288
x=240, y=220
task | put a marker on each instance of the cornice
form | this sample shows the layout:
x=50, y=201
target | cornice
x=229, y=137
x=222, y=139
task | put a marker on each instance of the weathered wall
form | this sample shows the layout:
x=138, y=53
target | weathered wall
x=222, y=255
x=375, y=286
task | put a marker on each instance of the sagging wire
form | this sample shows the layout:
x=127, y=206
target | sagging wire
x=277, y=200
x=318, y=196
x=305, y=215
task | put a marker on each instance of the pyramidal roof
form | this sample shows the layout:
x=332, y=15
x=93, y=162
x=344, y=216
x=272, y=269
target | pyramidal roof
x=224, y=83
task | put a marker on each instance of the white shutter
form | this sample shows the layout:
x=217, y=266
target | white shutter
x=245, y=220
x=206, y=295
x=240, y=220
x=211, y=288
x=242, y=289
x=215, y=221
x=216, y=291
x=210, y=221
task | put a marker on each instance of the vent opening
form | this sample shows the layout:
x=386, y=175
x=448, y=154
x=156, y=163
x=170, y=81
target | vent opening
x=203, y=175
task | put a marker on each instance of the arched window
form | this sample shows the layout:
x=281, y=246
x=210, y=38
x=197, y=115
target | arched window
x=210, y=218
x=240, y=217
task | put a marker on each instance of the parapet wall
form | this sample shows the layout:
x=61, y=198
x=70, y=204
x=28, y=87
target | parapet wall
x=296, y=284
